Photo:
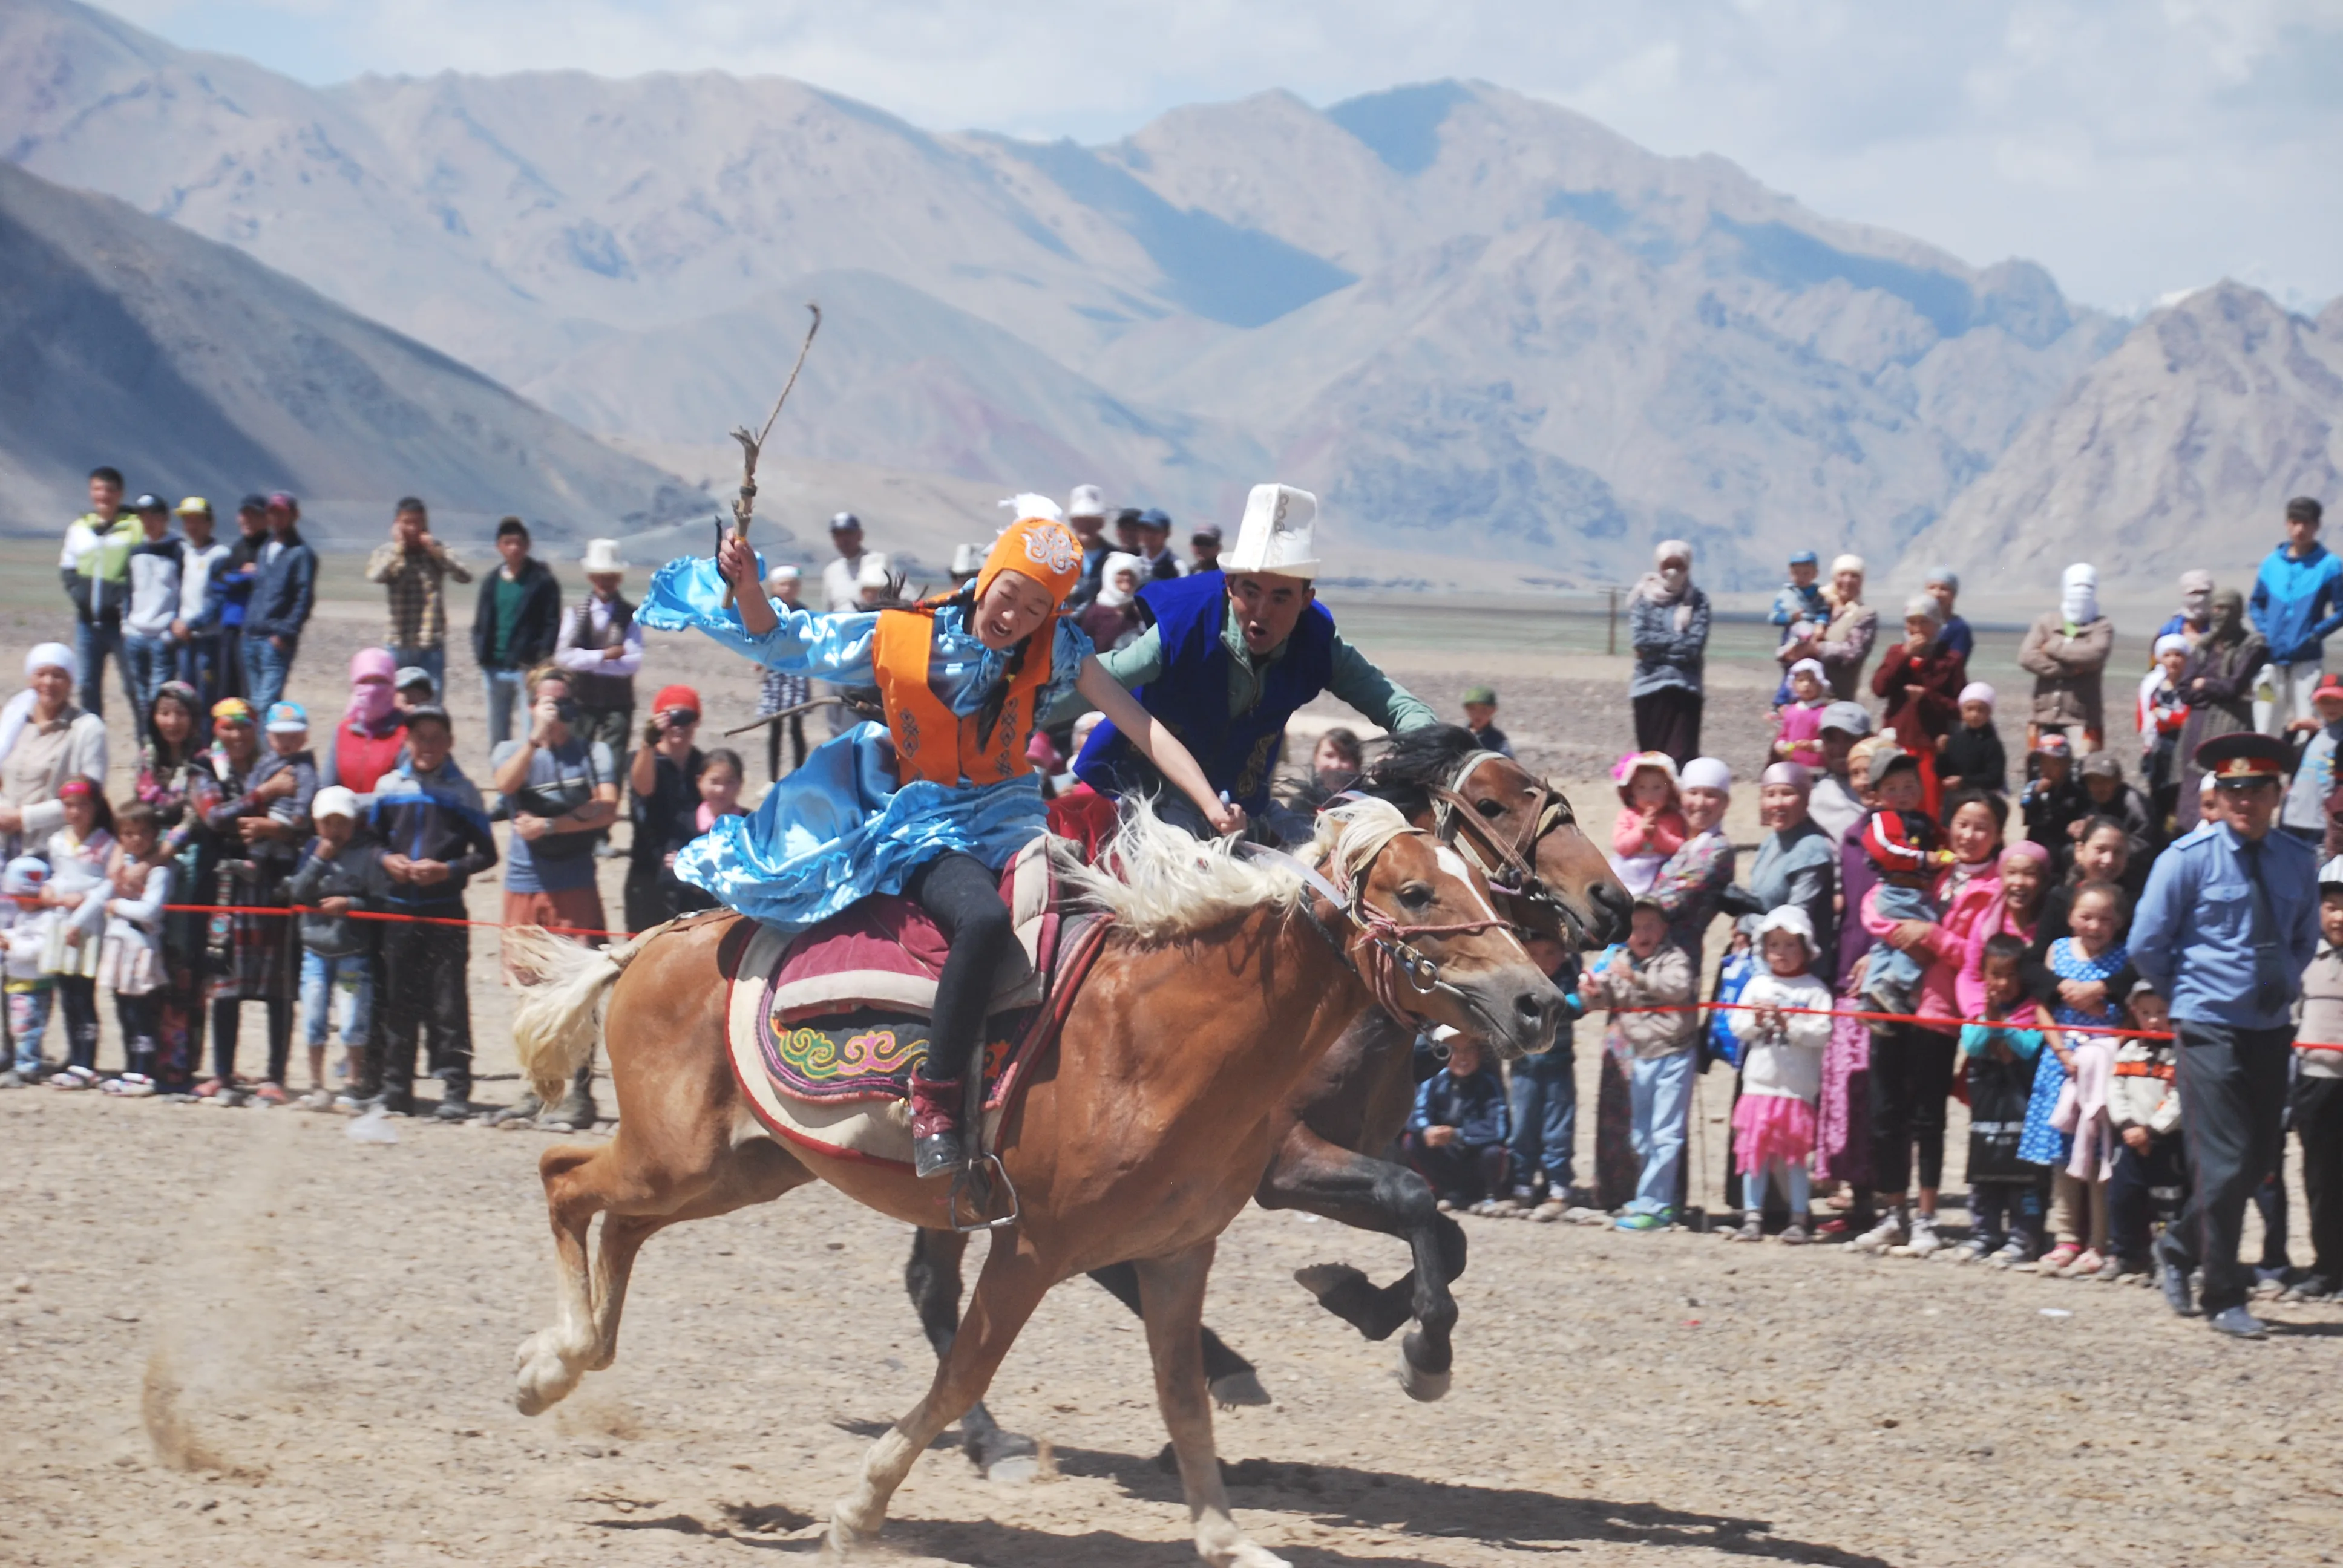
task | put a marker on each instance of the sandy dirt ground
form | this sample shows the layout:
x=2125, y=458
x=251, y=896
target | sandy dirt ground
x=240, y=1338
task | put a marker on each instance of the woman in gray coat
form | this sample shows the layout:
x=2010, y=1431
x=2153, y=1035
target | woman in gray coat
x=1667, y=621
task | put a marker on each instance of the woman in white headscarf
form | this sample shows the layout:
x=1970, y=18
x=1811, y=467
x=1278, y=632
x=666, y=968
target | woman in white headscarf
x=1112, y=618
x=2067, y=651
x=1844, y=644
x=45, y=739
x=1667, y=622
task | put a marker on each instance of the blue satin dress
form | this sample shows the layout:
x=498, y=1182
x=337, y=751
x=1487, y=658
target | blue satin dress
x=840, y=828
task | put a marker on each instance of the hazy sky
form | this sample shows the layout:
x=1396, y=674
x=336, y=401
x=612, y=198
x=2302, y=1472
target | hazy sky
x=2136, y=147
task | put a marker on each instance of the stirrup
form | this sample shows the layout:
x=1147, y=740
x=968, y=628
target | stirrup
x=972, y=1180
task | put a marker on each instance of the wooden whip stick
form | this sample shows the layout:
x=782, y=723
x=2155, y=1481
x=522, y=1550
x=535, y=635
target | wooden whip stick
x=751, y=445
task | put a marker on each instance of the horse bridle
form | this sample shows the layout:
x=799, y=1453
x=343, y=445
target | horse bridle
x=1451, y=812
x=1391, y=955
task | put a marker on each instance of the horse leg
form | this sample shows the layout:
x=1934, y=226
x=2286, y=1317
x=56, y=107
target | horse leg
x=1171, y=1293
x=1376, y=1195
x=552, y=1360
x=751, y=1173
x=1010, y=1286
x=932, y=1277
x=1230, y=1377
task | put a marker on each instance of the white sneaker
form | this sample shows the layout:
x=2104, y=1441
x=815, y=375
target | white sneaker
x=1925, y=1243
x=1887, y=1233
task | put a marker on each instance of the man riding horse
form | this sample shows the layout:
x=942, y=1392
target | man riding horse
x=1233, y=654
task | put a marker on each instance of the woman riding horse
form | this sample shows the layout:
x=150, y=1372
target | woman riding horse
x=934, y=802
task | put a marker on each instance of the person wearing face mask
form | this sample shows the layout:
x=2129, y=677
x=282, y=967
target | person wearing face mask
x=1667, y=622
x=2298, y=603
x=2067, y=651
x=962, y=682
x=2216, y=683
x=2193, y=618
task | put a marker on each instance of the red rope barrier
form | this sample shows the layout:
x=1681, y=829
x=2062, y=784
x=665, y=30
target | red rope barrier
x=1940, y=1023
x=290, y=909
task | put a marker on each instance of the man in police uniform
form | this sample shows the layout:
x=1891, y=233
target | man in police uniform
x=2224, y=931
x=1229, y=656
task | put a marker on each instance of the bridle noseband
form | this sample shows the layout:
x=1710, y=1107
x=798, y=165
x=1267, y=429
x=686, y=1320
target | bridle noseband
x=1391, y=955
x=1513, y=873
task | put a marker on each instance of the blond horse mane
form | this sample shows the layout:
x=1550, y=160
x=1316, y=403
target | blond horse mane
x=1171, y=885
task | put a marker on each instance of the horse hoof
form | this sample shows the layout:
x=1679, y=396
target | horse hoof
x=1243, y=1554
x=541, y=1379
x=1013, y=1470
x=1421, y=1386
x=1234, y=1389
x=1007, y=1458
x=1322, y=1280
x=842, y=1541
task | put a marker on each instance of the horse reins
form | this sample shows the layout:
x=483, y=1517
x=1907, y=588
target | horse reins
x=1391, y=954
x=1450, y=812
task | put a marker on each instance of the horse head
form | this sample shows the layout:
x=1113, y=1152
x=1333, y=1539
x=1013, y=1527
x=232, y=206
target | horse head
x=1517, y=830
x=1424, y=934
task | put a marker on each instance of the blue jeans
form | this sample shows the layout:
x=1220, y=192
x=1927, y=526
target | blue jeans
x=94, y=641
x=1659, y=1098
x=502, y=689
x=320, y=976
x=147, y=663
x=1797, y=1186
x=432, y=660
x=266, y=668
x=28, y=1020
x=199, y=666
x=1545, y=1117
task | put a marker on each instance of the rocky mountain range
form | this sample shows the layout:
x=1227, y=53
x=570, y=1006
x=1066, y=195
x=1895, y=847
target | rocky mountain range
x=198, y=371
x=1481, y=326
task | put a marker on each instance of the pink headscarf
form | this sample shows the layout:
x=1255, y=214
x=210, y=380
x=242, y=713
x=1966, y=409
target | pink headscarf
x=371, y=696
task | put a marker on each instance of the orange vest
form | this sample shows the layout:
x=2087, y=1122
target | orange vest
x=931, y=741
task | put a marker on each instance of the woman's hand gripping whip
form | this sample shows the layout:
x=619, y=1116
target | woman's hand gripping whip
x=750, y=444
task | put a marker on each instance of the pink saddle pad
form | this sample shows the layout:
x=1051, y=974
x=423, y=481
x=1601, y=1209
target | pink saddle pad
x=886, y=953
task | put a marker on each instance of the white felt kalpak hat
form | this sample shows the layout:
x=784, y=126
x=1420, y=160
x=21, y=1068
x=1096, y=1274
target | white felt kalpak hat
x=602, y=558
x=1276, y=535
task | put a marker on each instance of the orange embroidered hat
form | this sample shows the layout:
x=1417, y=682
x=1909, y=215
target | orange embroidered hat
x=1037, y=546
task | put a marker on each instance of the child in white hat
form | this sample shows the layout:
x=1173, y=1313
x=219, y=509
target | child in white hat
x=1782, y=1023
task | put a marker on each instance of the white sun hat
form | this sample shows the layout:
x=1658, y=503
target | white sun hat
x=1276, y=535
x=602, y=558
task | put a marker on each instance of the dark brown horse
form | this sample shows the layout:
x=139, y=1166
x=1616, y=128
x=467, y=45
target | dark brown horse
x=1137, y=1140
x=1349, y=1110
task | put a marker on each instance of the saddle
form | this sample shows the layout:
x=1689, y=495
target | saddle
x=823, y=1030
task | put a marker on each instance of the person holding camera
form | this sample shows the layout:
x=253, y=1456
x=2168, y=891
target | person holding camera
x=560, y=791
x=663, y=777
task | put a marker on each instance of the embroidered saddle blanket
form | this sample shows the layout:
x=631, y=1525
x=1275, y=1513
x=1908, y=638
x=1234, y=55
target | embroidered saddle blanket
x=836, y=1082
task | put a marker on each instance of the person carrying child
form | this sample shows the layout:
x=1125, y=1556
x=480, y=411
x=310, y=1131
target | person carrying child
x=1649, y=971
x=341, y=875
x=2053, y=800
x=1651, y=825
x=78, y=854
x=1903, y=848
x=130, y=961
x=1798, y=723
x=2162, y=714
x=2150, y=1179
x=1801, y=610
x=2000, y=1052
x=1782, y=1023
x=2075, y=1063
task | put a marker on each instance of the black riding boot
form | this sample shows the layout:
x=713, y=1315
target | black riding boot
x=936, y=1144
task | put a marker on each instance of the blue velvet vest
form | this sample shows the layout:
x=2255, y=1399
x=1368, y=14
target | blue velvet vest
x=1237, y=755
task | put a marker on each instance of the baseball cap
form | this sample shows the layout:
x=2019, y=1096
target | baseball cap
x=1803, y=559
x=1480, y=694
x=2330, y=685
x=334, y=800
x=413, y=674
x=1847, y=718
x=256, y=502
x=1155, y=517
x=2102, y=765
x=671, y=697
x=150, y=504
x=26, y=875
x=285, y=498
x=2052, y=743
x=1209, y=531
x=194, y=506
x=1086, y=502
x=1885, y=760
x=844, y=520
x=288, y=719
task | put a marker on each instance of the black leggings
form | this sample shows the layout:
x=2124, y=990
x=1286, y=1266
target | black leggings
x=77, y=998
x=964, y=900
x=795, y=725
x=1911, y=1080
x=224, y=1032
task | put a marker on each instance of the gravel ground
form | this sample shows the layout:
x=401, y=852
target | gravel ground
x=253, y=1340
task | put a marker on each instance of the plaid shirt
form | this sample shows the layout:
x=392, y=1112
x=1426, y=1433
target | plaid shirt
x=414, y=579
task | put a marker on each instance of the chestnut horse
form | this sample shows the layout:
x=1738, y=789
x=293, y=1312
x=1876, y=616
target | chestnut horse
x=1138, y=1141
x=1349, y=1109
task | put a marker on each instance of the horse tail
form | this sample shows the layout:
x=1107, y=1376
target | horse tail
x=564, y=987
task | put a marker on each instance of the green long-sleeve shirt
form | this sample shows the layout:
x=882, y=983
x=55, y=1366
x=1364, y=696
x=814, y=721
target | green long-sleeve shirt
x=1378, y=697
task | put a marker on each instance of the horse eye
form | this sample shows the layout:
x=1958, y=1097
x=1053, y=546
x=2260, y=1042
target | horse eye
x=1490, y=808
x=1415, y=895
